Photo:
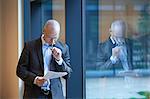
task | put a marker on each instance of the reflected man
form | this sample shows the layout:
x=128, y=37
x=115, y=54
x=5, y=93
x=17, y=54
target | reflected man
x=115, y=52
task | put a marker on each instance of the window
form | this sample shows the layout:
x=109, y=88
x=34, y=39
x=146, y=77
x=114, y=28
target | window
x=113, y=82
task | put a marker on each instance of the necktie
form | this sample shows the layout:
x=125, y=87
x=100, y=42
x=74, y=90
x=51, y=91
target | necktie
x=47, y=58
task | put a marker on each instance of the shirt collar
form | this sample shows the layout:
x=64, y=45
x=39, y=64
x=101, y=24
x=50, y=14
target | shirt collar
x=43, y=41
x=113, y=41
x=117, y=41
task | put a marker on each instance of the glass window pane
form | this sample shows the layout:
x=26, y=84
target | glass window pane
x=52, y=9
x=58, y=13
x=117, y=66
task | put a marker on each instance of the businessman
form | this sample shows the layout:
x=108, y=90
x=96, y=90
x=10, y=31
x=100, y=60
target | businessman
x=38, y=57
x=116, y=51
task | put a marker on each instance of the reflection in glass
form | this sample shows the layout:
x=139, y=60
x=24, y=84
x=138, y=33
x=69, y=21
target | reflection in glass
x=113, y=82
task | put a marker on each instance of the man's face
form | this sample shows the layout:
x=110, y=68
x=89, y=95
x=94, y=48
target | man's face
x=119, y=31
x=50, y=34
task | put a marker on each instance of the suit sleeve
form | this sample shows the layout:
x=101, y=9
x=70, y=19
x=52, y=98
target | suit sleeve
x=22, y=70
x=103, y=61
x=66, y=62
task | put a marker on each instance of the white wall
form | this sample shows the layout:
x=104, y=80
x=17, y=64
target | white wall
x=9, y=34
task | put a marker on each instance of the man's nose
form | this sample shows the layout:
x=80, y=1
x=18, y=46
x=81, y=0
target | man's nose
x=51, y=40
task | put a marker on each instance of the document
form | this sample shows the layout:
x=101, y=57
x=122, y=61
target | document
x=52, y=74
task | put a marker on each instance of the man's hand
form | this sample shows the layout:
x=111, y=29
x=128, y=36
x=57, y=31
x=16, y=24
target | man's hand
x=56, y=52
x=39, y=81
x=116, y=52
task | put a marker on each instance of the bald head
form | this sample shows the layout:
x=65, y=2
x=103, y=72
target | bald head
x=118, y=28
x=53, y=25
x=51, y=31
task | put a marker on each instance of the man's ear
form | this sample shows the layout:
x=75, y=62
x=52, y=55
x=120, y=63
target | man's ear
x=43, y=30
x=110, y=31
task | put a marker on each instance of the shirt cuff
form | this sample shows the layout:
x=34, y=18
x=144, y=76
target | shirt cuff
x=35, y=80
x=59, y=61
x=113, y=59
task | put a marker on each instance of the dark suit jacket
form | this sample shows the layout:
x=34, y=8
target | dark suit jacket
x=105, y=51
x=31, y=65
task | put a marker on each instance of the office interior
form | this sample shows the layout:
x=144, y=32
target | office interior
x=84, y=24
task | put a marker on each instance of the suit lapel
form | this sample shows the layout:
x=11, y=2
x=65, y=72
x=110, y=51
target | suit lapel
x=128, y=47
x=129, y=50
x=39, y=52
x=58, y=45
x=110, y=45
x=52, y=64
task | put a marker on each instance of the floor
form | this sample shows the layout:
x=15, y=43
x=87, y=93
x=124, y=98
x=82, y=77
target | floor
x=116, y=88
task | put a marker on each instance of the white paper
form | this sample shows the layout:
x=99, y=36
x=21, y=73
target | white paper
x=52, y=74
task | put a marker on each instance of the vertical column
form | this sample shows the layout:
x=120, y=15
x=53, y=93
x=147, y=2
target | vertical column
x=74, y=40
x=92, y=32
